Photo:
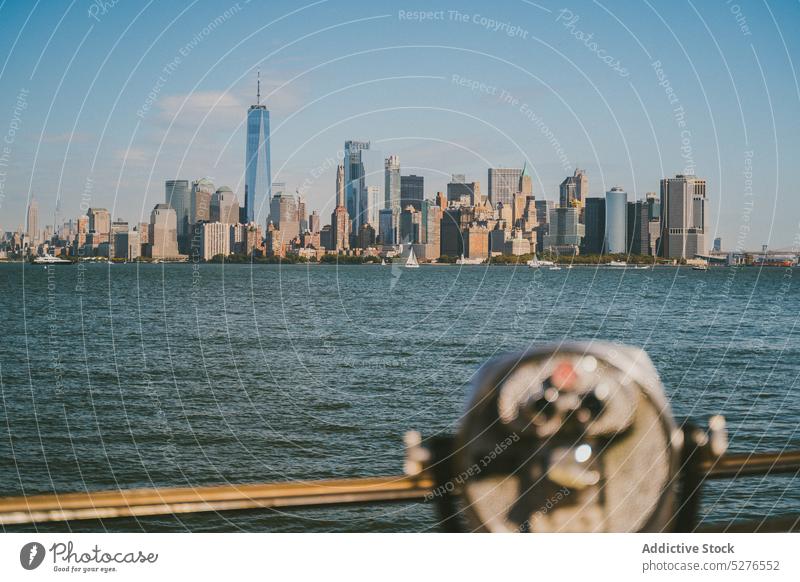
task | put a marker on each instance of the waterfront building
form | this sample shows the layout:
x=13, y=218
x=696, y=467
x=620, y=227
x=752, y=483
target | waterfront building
x=616, y=220
x=517, y=244
x=301, y=214
x=258, y=173
x=340, y=221
x=503, y=184
x=432, y=223
x=574, y=189
x=683, y=216
x=366, y=236
x=412, y=191
x=565, y=231
x=374, y=205
x=119, y=240
x=163, y=232
x=214, y=240
x=594, y=220
x=476, y=241
x=638, y=228
x=178, y=195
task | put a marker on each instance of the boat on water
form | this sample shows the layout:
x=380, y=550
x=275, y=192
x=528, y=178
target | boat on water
x=51, y=260
x=462, y=261
x=383, y=263
x=700, y=268
x=411, y=261
x=555, y=268
x=535, y=263
x=618, y=264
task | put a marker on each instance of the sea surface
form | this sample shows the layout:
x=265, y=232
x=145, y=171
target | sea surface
x=176, y=375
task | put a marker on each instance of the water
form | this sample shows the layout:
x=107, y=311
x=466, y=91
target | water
x=176, y=375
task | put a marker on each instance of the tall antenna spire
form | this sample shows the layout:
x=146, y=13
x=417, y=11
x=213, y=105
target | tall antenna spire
x=258, y=88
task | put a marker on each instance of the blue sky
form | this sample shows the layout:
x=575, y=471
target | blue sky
x=102, y=102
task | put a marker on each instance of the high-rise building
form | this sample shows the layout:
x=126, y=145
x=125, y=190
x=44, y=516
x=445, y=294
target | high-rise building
x=411, y=226
x=163, y=232
x=314, y=222
x=638, y=228
x=525, y=186
x=459, y=191
x=375, y=202
x=301, y=214
x=503, y=184
x=200, y=201
x=574, y=189
x=654, y=227
x=32, y=223
x=412, y=191
x=565, y=230
x=214, y=240
x=388, y=225
x=392, y=185
x=258, y=173
x=119, y=239
x=476, y=241
x=594, y=219
x=284, y=217
x=616, y=220
x=224, y=206
x=683, y=216
x=340, y=221
x=717, y=245
x=178, y=194
x=354, y=181
x=366, y=236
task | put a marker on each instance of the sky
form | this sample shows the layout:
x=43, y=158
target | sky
x=101, y=102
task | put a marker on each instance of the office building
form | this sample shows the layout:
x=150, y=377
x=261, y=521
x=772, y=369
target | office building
x=178, y=195
x=412, y=191
x=594, y=220
x=638, y=228
x=565, y=231
x=354, y=181
x=683, y=217
x=258, y=173
x=314, y=222
x=214, y=240
x=574, y=189
x=503, y=184
x=224, y=206
x=284, y=217
x=32, y=223
x=163, y=235
x=476, y=241
x=410, y=226
x=616, y=220
x=461, y=192
x=200, y=201
x=392, y=183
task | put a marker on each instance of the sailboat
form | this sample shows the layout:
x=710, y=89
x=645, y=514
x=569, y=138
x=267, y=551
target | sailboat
x=535, y=263
x=411, y=262
x=383, y=263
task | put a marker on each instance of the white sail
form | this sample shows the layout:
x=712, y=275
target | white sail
x=411, y=262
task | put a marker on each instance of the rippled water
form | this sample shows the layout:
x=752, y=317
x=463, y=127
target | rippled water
x=140, y=375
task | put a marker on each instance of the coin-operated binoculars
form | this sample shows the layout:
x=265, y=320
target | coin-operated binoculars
x=573, y=437
x=577, y=437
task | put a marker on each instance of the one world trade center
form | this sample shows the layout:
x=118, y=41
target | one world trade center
x=258, y=176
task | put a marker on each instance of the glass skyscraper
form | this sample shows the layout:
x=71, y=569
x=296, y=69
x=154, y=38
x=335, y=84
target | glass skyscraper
x=258, y=175
x=616, y=220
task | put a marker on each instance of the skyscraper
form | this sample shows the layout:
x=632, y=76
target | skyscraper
x=566, y=232
x=459, y=191
x=412, y=191
x=503, y=184
x=354, y=182
x=32, y=226
x=200, y=201
x=258, y=174
x=574, y=189
x=638, y=229
x=163, y=232
x=178, y=195
x=616, y=220
x=683, y=217
x=594, y=218
x=340, y=221
x=392, y=186
x=224, y=206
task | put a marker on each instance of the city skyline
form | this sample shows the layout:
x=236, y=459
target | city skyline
x=461, y=116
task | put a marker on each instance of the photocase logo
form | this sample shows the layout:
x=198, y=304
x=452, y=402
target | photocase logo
x=31, y=555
